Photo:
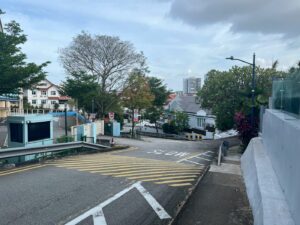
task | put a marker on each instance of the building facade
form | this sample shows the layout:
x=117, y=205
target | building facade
x=198, y=118
x=7, y=103
x=46, y=95
x=191, y=85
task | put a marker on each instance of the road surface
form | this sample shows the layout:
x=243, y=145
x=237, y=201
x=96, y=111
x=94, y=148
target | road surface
x=142, y=185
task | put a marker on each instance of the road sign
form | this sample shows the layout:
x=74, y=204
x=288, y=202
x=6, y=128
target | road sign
x=92, y=115
x=111, y=116
x=136, y=115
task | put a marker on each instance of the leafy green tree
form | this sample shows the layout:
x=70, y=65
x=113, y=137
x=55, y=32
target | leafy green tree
x=137, y=93
x=228, y=92
x=181, y=121
x=15, y=72
x=160, y=93
x=81, y=87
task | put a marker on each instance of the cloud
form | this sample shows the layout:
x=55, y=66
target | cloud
x=267, y=17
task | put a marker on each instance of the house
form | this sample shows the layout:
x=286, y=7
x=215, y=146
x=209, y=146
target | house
x=7, y=102
x=198, y=118
x=46, y=95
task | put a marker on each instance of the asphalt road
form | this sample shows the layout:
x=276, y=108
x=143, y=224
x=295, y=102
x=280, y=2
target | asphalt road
x=139, y=186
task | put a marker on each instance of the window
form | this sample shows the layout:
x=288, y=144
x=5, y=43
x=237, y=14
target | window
x=16, y=132
x=33, y=92
x=33, y=102
x=53, y=92
x=43, y=101
x=44, y=92
x=53, y=102
x=38, y=131
x=200, y=122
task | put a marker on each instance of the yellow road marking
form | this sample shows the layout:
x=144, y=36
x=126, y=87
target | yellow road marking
x=120, y=164
x=174, y=181
x=180, y=184
x=91, y=167
x=143, y=173
x=161, y=175
x=119, y=171
x=168, y=178
x=118, y=161
x=18, y=168
x=21, y=170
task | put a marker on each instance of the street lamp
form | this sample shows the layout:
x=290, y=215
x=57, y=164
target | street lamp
x=253, y=84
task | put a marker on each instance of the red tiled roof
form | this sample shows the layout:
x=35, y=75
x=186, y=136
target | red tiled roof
x=59, y=98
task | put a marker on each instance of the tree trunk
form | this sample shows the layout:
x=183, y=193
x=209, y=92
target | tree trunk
x=156, y=127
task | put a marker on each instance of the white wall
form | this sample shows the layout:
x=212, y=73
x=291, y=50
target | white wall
x=281, y=138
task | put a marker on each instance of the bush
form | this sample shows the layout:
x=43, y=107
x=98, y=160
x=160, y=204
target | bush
x=243, y=126
x=64, y=139
x=170, y=128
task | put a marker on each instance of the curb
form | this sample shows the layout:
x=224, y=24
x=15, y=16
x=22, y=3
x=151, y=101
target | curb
x=185, y=201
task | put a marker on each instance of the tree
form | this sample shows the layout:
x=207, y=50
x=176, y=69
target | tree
x=105, y=59
x=160, y=93
x=228, y=92
x=137, y=94
x=81, y=87
x=181, y=121
x=15, y=72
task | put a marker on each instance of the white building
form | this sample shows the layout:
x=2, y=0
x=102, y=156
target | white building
x=191, y=85
x=46, y=95
x=198, y=118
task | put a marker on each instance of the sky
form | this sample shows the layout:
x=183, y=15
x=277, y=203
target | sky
x=180, y=38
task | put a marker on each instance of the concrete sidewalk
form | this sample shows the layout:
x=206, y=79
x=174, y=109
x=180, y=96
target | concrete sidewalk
x=220, y=198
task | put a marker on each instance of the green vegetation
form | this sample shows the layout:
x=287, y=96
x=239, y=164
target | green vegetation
x=229, y=92
x=160, y=93
x=64, y=139
x=178, y=124
x=137, y=93
x=15, y=72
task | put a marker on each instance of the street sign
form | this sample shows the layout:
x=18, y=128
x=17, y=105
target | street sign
x=111, y=116
x=92, y=115
x=136, y=115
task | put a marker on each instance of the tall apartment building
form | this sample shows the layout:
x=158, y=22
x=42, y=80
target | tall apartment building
x=191, y=85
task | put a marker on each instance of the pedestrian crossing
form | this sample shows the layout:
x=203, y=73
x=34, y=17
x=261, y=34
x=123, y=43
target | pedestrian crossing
x=139, y=169
x=20, y=169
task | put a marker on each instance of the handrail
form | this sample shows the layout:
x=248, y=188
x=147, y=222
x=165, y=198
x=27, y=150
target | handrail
x=21, y=151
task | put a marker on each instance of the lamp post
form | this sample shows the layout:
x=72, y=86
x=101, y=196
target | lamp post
x=253, y=84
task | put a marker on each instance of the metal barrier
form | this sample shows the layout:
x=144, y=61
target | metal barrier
x=15, y=152
x=222, y=151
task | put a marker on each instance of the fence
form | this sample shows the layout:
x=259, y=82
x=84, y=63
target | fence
x=159, y=135
x=286, y=95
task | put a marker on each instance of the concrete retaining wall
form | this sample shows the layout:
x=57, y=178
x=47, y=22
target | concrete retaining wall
x=281, y=138
x=265, y=195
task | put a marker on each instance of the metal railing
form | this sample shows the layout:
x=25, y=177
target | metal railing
x=15, y=152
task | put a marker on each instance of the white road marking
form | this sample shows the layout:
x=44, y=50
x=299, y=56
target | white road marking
x=198, y=157
x=162, y=214
x=99, y=218
x=170, y=153
x=193, y=162
x=98, y=215
x=182, y=154
x=188, y=158
x=203, y=154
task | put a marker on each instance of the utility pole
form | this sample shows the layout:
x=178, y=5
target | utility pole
x=252, y=86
